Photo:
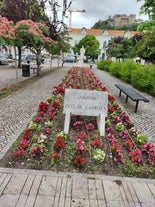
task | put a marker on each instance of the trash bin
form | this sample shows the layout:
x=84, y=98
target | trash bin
x=91, y=66
x=26, y=70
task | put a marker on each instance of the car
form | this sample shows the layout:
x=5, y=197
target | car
x=32, y=57
x=70, y=59
x=3, y=60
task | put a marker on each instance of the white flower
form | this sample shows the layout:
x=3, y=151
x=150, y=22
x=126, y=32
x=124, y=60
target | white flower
x=98, y=155
x=42, y=138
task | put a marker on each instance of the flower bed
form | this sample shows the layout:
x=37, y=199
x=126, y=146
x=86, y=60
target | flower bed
x=43, y=145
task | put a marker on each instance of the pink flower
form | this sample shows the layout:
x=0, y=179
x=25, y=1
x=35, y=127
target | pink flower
x=129, y=144
x=116, y=119
x=78, y=125
x=47, y=130
x=151, y=158
x=123, y=134
x=90, y=126
x=147, y=147
x=36, y=151
x=136, y=155
x=80, y=146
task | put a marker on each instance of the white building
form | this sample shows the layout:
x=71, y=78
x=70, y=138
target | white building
x=103, y=36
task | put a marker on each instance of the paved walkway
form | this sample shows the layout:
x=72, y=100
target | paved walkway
x=28, y=188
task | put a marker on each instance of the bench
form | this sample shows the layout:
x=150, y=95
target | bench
x=132, y=94
x=34, y=68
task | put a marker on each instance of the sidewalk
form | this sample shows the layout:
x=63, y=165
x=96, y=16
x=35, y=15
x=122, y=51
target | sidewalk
x=28, y=188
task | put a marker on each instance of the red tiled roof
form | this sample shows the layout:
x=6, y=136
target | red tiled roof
x=99, y=31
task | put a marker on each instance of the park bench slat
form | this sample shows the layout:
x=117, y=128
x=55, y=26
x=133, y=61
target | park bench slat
x=132, y=94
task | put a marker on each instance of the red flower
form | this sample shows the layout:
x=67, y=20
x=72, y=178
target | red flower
x=78, y=161
x=38, y=119
x=24, y=143
x=111, y=98
x=81, y=135
x=116, y=152
x=19, y=154
x=97, y=143
x=43, y=106
x=59, y=143
x=58, y=90
x=27, y=134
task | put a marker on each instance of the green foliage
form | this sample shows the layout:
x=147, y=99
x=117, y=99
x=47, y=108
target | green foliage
x=141, y=138
x=115, y=69
x=146, y=26
x=119, y=47
x=127, y=68
x=91, y=45
x=102, y=25
x=145, y=47
x=104, y=65
x=148, y=8
x=143, y=79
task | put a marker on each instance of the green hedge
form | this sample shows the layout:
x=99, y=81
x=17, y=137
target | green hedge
x=141, y=77
x=104, y=65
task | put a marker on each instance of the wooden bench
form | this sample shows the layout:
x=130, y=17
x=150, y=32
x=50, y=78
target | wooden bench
x=132, y=94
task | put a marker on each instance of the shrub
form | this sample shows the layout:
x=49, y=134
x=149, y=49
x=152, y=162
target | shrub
x=141, y=79
x=126, y=70
x=104, y=65
x=115, y=69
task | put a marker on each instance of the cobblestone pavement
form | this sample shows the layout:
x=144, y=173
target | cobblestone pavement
x=30, y=188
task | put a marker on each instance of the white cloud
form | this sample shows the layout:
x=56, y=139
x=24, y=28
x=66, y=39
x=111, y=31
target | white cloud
x=101, y=9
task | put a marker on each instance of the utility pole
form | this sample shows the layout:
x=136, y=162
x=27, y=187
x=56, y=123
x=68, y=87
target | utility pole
x=70, y=15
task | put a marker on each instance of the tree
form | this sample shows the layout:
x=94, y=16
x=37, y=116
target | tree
x=148, y=8
x=6, y=31
x=102, y=25
x=34, y=36
x=119, y=47
x=21, y=10
x=91, y=45
x=145, y=47
x=145, y=26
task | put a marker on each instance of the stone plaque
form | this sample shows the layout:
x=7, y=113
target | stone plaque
x=86, y=103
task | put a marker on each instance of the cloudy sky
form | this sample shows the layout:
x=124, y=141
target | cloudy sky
x=101, y=9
